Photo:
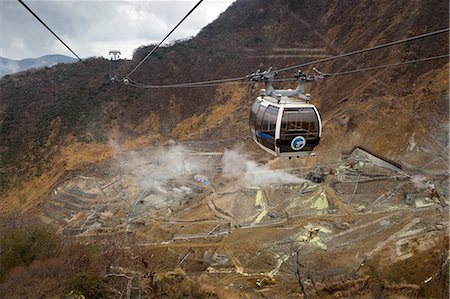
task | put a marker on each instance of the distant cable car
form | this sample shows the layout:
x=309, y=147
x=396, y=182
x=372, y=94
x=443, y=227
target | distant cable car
x=284, y=122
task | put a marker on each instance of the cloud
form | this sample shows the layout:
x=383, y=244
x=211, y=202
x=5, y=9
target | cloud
x=92, y=28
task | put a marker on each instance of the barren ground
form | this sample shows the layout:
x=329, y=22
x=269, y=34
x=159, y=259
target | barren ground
x=346, y=227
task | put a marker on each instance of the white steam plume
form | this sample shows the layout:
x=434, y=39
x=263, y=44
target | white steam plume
x=421, y=182
x=151, y=169
x=237, y=165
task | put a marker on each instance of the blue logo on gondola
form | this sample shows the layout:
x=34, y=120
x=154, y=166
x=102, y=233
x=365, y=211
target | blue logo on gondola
x=298, y=143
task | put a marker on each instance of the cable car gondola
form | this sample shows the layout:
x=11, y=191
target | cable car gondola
x=284, y=122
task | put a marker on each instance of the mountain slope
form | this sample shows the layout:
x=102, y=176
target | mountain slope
x=44, y=111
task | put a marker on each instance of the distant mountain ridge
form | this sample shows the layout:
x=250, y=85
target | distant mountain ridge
x=10, y=66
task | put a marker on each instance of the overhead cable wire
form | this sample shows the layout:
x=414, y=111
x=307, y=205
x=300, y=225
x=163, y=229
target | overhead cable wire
x=192, y=84
x=186, y=86
x=218, y=81
x=136, y=84
x=367, y=49
x=157, y=46
x=203, y=83
x=48, y=28
x=387, y=65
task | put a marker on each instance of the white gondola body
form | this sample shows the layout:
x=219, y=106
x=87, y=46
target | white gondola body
x=290, y=127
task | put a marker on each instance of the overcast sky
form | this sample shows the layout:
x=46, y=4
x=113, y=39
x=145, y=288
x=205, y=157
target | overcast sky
x=93, y=27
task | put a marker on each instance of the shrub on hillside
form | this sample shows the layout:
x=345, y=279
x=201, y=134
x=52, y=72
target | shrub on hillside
x=175, y=284
x=24, y=245
x=87, y=284
x=42, y=279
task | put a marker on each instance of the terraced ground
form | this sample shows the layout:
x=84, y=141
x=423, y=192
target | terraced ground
x=342, y=222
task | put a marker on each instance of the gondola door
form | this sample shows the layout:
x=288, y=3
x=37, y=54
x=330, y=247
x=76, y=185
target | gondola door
x=299, y=130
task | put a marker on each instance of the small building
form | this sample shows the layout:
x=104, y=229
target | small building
x=178, y=191
x=186, y=189
x=202, y=179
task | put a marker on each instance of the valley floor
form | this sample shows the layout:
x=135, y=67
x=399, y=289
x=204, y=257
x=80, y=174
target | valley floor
x=359, y=225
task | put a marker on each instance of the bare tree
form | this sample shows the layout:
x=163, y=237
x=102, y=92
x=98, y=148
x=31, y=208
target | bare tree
x=295, y=264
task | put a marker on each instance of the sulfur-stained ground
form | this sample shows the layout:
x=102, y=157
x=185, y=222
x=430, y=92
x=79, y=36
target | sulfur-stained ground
x=360, y=226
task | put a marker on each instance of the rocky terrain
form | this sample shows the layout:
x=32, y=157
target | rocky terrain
x=146, y=188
